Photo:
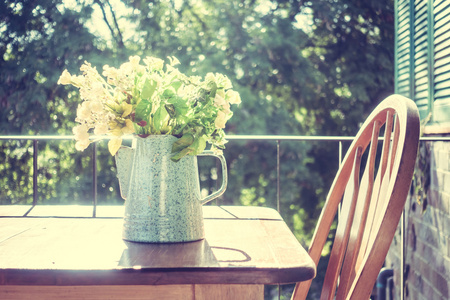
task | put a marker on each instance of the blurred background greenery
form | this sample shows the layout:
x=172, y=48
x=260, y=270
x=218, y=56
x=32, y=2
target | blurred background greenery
x=302, y=68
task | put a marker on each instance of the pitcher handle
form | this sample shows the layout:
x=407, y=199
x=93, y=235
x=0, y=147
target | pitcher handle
x=222, y=189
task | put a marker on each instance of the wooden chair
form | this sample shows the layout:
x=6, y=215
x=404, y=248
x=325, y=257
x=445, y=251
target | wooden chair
x=371, y=205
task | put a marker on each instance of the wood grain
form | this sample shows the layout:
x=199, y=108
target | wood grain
x=228, y=292
x=75, y=251
x=14, y=210
x=158, y=292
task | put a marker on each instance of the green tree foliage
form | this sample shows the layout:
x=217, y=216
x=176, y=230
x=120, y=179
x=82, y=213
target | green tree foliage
x=38, y=39
x=301, y=67
x=355, y=41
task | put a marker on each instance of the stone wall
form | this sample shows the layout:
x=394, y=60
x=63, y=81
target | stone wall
x=427, y=226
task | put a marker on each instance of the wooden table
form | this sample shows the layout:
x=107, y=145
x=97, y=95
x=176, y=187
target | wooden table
x=60, y=252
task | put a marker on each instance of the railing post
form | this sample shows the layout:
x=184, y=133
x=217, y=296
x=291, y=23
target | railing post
x=94, y=179
x=278, y=175
x=340, y=162
x=278, y=195
x=35, y=176
x=218, y=167
x=402, y=255
x=35, y=172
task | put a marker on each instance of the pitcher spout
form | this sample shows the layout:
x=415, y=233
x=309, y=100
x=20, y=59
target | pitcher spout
x=124, y=161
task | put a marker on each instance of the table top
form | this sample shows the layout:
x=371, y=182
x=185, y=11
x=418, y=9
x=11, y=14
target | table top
x=64, y=245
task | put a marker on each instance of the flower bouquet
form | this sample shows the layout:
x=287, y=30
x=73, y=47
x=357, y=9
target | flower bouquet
x=153, y=98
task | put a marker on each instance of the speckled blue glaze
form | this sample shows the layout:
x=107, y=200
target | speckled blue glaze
x=163, y=202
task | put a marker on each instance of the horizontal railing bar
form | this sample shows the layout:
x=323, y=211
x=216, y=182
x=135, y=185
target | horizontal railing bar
x=435, y=139
x=289, y=138
x=228, y=137
x=36, y=137
x=317, y=138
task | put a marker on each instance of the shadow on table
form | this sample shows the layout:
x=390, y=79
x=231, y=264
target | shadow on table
x=178, y=255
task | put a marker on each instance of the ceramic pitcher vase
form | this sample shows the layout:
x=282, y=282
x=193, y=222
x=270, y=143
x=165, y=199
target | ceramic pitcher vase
x=162, y=198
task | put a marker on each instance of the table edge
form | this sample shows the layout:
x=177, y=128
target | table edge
x=240, y=275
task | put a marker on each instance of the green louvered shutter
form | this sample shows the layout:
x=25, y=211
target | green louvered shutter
x=421, y=51
x=423, y=56
x=402, y=49
x=441, y=109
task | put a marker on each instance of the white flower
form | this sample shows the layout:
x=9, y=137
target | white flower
x=89, y=72
x=96, y=106
x=82, y=144
x=110, y=72
x=81, y=136
x=111, y=103
x=154, y=63
x=101, y=128
x=97, y=90
x=223, y=81
x=85, y=93
x=134, y=60
x=84, y=111
x=111, y=81
x=210, y=77
x=173, y=60
x=196, y=80
x=126, y=68
x=173, y=71
x=219, y=99
x=233, y=97
x=226, y=109
x=77, y=81
x=65, y=78
x=220, y=120
x=86, y=67
x=216, y=150
x=186, y=90
x=81, y=132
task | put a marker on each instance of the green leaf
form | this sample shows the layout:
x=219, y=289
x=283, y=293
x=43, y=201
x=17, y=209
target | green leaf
x=168, y=93
x=160, y=118
x=180, y=106
x=170, y=109
x=143, y=110
x=202, y=93
x=185, y=141
x=198, y=146
x=148, y=89
x=213, y=88
x=176, y=85
x=188, y=145
x=181, y=154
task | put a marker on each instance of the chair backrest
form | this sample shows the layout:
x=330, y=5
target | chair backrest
x=371, y=201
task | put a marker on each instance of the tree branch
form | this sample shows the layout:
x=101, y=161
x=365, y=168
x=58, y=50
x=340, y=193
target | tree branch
x=117, y=37
x=119, y=33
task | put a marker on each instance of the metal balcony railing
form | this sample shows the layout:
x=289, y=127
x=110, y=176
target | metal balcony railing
x=276, y=139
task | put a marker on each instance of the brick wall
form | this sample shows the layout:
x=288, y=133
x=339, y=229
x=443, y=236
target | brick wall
x=427, y=223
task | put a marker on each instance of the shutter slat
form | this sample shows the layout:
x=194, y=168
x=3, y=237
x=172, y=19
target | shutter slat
x=439, y=6
x=441, y=97
x=438, y=78
x=403, y=48
x=441, y=65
